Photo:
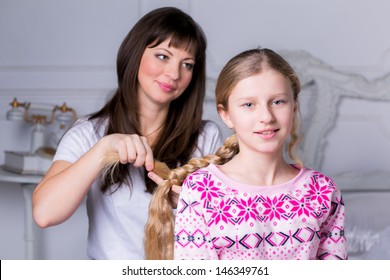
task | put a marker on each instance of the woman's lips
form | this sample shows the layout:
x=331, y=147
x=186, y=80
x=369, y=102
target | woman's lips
x=166, y=87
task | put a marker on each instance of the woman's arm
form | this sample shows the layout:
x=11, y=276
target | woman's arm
x=66, y=184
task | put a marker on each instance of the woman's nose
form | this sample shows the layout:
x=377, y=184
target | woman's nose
x=173, y=71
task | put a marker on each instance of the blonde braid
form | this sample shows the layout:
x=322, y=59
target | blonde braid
x=159, y=228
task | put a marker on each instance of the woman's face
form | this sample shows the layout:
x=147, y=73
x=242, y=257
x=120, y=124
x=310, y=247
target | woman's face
x=164, y=73
x=261, y=110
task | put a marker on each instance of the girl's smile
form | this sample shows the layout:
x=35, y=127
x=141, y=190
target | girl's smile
x=267, y=134
x=261, y=110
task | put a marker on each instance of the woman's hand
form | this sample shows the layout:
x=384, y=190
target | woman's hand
x=173, y=193
x=131, y=148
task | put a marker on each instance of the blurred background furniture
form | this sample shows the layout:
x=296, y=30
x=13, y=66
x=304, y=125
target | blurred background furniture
x=27, y=183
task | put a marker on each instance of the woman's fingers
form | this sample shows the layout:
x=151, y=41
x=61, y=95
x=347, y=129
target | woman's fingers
x=155, y=178
x=149, y=158
x=174, y=195
x=133, y=149
x=137, y=150
x=174, y=191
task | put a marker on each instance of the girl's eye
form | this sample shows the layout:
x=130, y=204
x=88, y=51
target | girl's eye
x=278, y=102
x=248, y=104
x=188, y=66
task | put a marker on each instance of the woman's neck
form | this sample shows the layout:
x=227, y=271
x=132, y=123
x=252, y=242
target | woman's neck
x=151, y=122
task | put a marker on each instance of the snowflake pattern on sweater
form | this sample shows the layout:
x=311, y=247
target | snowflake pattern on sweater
x=220, y=218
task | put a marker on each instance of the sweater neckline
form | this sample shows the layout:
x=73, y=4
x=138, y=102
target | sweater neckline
x=229, y=181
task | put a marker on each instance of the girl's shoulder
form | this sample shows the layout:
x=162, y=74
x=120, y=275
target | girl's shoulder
x=316, y=181
x=200, y=175
x=316, y=176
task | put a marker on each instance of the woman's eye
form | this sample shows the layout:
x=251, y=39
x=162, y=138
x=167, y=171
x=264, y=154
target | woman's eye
x=162, y=56
x=188, y=66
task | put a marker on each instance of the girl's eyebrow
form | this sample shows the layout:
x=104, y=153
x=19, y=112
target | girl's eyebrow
x=281, y=94
x=245, y=98
x=276, y=95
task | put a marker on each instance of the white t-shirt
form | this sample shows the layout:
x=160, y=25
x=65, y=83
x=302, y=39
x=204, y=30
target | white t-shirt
x=117, y=220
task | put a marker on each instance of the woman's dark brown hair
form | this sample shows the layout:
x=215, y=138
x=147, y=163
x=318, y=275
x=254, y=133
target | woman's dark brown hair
x=178, y=137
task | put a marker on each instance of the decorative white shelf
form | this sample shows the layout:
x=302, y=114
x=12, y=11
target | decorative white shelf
x=27, y=183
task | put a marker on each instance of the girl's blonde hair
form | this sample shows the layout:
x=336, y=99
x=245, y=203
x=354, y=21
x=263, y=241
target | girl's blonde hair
x=159, y=228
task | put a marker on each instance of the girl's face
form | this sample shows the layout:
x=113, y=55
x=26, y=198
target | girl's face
x=164, y=73
x=261, y=110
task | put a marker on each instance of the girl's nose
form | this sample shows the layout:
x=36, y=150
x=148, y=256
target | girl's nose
x=265, y=114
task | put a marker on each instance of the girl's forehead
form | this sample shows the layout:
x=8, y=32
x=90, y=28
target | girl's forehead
x=268, y=81
x=249, y=91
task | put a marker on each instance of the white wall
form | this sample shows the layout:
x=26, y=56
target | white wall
x=65, y=51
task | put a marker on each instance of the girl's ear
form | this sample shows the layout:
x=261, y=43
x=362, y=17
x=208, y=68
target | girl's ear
x=224, y=114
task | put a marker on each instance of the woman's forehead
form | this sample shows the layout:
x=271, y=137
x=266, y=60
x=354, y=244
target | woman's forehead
x=183, y=43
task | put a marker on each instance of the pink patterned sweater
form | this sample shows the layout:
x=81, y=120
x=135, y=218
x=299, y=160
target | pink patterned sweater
x=219, y=218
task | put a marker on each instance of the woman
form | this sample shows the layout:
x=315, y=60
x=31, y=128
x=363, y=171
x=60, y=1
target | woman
x=156, y=113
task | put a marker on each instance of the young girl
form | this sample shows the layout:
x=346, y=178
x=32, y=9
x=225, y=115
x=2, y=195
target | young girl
x=247, y=201
x=156, y=113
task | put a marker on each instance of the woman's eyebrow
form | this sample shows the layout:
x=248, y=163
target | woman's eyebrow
x=168, y=51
